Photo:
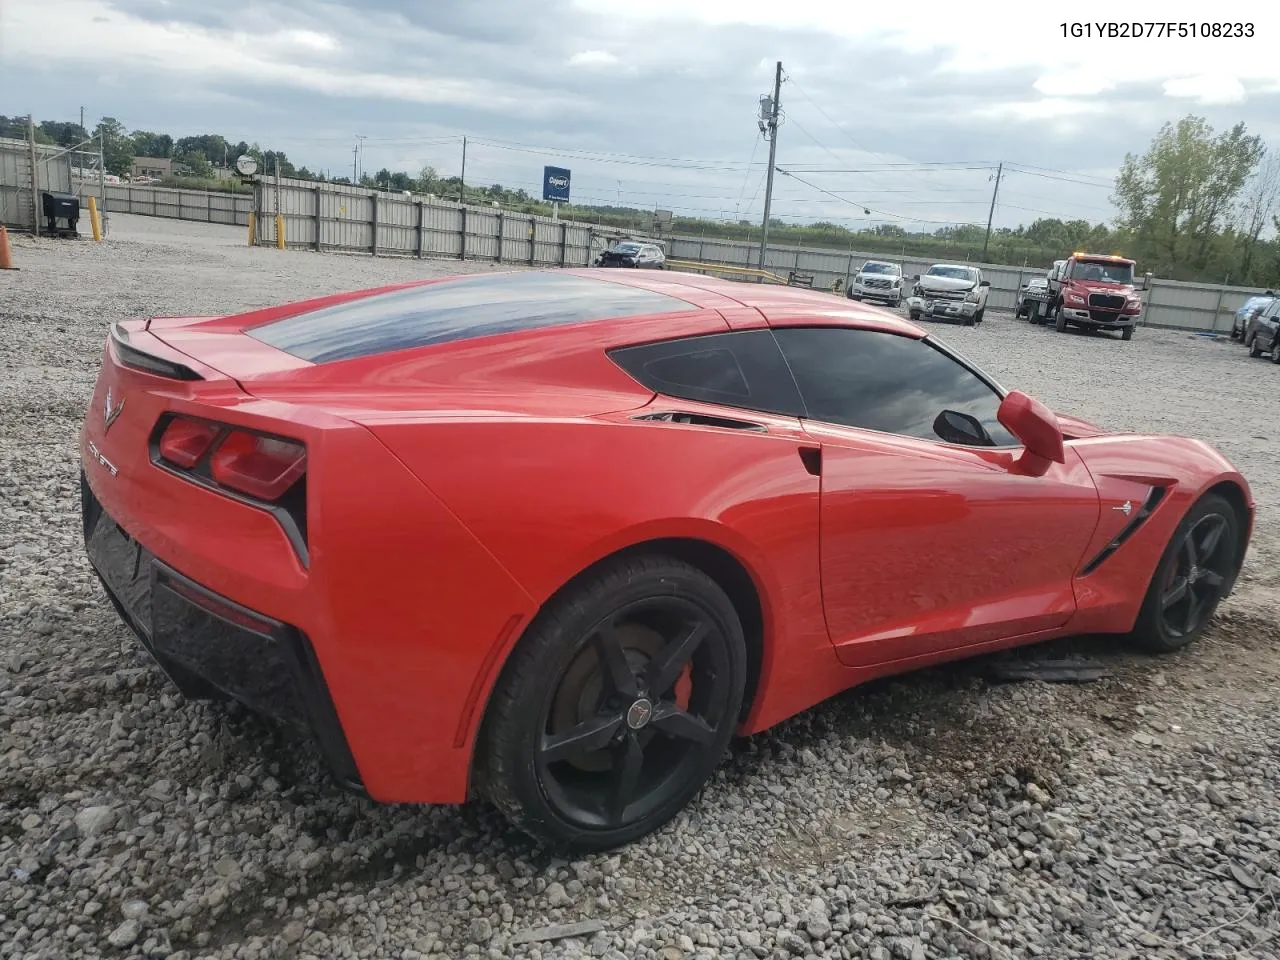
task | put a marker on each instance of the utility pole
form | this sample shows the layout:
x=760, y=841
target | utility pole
x=358, y=153
x=992, y=212
x=769, y=127
x=355, y=164
x=35, y=174
x=462, y=180
x=82, y=118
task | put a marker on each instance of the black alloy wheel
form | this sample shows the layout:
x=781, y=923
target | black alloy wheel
x=616, y=706
x=1198, y=565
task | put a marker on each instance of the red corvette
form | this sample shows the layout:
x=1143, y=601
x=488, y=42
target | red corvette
x=553, y=537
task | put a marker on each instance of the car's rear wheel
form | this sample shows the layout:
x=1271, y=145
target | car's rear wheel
x=616, y=706
x=1192, y=577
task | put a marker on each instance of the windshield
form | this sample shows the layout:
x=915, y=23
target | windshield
x=952, y=273
x=627, y=248
x=1102, y=272
x=879, y=268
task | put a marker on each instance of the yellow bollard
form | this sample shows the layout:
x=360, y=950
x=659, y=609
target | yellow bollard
x=253, y=227
x=94, y=220
x=280, y=231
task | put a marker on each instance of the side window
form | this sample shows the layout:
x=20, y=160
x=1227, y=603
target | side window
x=743, y=369
x=881, y=381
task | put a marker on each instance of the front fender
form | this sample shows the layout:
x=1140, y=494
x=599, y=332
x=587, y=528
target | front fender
x=1126, y=468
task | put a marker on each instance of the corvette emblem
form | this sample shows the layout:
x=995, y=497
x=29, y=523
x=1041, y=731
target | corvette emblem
x=1126, y=508
x=110, y=413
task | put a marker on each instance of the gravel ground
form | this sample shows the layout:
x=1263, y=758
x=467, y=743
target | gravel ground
x=939, y=814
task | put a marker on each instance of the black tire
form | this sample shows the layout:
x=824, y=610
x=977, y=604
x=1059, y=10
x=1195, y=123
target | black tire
x=1275, y=348
x=915, y=316
x=1059, y=319
x=1254, y=350
x=1166, y=624
x=977, y=317
x=590, y=663
x=1126, y=333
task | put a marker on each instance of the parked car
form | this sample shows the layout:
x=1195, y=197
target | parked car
x=1038, y=289
x=1260, y=334
x=554, y=539
x=877, y=280
x=949, y=292
x=633, y=253
x=1250, y=309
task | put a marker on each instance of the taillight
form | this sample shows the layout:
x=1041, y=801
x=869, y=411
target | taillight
x=259, y=470
x=185, y=441
x=262, y=467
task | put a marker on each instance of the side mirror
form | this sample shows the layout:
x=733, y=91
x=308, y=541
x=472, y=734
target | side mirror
x=915, y=276
x=1038, y=430
x=985, y=283
x=955, y=427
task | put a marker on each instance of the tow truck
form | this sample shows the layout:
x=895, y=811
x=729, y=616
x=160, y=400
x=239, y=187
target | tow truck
x=1090, y=290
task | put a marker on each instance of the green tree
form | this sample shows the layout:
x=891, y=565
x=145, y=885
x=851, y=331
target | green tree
x=199, y=166
x=148, y=144
x=117, y=147
x=64, y=134
x=1177, y=198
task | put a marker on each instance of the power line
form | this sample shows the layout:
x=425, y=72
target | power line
x=883, y=213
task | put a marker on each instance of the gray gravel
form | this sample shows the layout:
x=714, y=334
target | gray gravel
x=934, y=815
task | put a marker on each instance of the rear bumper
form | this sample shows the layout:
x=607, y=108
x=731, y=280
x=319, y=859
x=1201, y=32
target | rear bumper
x=204, y=640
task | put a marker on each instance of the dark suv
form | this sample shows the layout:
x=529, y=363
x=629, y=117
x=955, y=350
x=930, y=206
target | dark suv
x=1251, y=308
x=1262, y=335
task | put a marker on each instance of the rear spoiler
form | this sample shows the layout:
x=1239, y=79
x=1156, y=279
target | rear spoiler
x=129, y=355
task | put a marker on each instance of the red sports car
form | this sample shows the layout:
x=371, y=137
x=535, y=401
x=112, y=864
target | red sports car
x=554, y=537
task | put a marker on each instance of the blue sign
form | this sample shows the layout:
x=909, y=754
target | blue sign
x=555, y=184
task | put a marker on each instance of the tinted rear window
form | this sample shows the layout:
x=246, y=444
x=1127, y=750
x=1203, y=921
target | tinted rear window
x=457, y=310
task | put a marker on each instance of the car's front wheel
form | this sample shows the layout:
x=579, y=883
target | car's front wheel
x=1275, y=348
x=616, y=705
x=1255, y=348
x=1192, y=577
x=1059, y=320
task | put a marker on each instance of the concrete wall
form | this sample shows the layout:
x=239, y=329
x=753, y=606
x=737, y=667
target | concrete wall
x=1169, y=303
x=53, y=167
x=350, y=219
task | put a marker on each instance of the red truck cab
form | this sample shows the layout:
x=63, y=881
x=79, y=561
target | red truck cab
x=1096, y=292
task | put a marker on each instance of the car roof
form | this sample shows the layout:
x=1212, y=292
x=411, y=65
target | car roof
x=465, y=308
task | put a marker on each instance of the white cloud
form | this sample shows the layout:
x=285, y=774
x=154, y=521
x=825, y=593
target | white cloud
x=1048, y=108
x=987, y=36
x=1206, y=89
x=593, y=58
x=96, y=37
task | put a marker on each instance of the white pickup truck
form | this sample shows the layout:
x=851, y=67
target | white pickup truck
x=949, y=292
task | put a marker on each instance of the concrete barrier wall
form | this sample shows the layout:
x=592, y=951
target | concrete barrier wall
x=343, y=218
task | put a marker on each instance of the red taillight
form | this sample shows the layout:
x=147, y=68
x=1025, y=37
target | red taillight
x=262, y=467
x=185, y=441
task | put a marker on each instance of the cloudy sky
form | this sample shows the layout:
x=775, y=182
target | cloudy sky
x=903, y=110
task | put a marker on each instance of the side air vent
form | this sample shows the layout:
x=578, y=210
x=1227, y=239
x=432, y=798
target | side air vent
x=1137, y=520
x=702, y=420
